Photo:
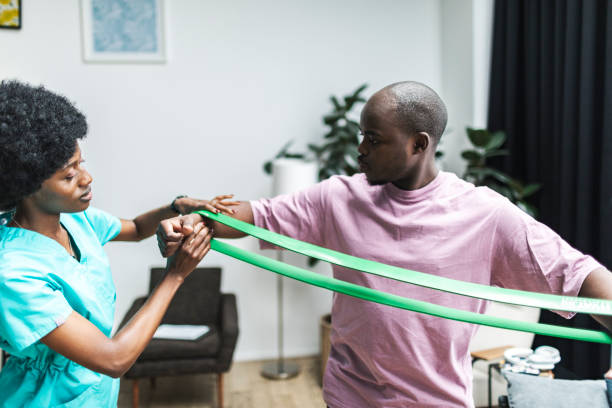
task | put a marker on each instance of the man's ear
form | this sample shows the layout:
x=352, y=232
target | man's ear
x=422, y=141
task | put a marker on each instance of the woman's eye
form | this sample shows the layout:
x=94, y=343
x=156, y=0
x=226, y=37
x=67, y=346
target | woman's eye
x=69, y=177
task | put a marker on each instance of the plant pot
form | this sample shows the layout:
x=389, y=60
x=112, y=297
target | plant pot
x=325, y=324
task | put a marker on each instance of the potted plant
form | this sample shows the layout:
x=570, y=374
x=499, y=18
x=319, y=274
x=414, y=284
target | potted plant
x=485, y=145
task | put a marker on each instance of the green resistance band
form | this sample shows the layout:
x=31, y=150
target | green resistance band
x=511, y=296
x=373, y=295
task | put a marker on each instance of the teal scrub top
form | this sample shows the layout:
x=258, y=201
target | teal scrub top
x=40, y=285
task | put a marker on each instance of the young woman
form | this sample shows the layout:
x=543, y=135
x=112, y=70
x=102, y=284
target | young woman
x=57, y=298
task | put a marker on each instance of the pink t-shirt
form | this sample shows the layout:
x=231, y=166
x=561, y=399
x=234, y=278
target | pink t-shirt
x=387, y=357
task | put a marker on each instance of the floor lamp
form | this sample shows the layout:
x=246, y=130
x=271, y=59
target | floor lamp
x=288, y=176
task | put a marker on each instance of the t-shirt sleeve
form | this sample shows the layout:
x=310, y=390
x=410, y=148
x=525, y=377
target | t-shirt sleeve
x=31, y=306
x=528, y=255
x=105, y=226
x=298, y=215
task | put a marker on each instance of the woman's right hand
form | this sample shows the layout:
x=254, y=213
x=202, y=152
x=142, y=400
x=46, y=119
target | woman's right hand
x=172, y=232
x=193, y=248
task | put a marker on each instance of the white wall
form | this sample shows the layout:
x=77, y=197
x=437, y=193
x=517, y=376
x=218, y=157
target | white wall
x=466, y=53
x=457, y=84
x=482, y=40
x=241, y=78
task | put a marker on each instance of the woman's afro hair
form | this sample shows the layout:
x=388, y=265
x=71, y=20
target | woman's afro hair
x=38, y=134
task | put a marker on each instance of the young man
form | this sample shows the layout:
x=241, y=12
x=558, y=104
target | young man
x=402, y=211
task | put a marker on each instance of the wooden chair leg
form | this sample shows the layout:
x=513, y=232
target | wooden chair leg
x=220, y=389
x=135, y=395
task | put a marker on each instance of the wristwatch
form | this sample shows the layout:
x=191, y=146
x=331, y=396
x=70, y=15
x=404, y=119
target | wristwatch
x=173, y=204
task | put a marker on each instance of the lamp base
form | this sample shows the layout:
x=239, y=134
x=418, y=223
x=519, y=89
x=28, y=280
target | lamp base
x=280, y=370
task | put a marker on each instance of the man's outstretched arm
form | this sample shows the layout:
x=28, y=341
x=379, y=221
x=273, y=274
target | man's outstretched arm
x=240, y=210
x=598, y=284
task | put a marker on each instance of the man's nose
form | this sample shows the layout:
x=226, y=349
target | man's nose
x=361, y=149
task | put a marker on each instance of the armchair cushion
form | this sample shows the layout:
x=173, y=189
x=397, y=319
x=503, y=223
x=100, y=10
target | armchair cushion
x=164, y=349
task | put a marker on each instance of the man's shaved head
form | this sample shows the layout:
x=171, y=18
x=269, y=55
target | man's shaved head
x=418, y=108
x=401, y=126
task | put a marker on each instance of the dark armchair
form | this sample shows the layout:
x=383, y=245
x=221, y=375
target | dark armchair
x=198, y=301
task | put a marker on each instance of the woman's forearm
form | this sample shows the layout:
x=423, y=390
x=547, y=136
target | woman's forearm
x=144, y=225
x=147, y=223
x=132, y=339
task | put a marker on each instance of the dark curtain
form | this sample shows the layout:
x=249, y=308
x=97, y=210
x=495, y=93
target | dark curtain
x=551, y=91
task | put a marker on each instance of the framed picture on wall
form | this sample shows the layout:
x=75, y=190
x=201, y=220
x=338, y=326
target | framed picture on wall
x=123, y=31
x=10, y=14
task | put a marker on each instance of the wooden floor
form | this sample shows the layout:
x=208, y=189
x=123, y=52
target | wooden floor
x=244, y=387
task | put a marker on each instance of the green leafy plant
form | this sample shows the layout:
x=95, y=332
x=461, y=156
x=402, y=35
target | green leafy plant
x=337, y=154
x=486, y=145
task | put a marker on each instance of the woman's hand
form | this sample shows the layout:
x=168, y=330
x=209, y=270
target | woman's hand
x=172, y=232
x=220, y=203
x=193, y=248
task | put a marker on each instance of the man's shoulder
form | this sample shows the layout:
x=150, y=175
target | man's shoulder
x=347, y=183
x=464, y=197
x=344, y=180
x=506, y=215
x=458, y=189
x=340, y=189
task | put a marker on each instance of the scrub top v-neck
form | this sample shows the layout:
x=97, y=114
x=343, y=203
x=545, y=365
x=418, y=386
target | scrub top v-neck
x=40, y=285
